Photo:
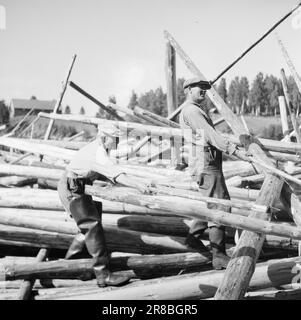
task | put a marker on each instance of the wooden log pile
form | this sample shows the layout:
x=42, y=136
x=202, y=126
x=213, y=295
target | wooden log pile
x=148, y=211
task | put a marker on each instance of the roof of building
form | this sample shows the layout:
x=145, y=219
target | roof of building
x=33, y=103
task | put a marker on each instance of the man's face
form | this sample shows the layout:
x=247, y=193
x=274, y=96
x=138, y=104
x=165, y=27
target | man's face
x=197, y=94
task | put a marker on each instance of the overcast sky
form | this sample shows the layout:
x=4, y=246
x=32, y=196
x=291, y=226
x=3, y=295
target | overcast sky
x=120, y=44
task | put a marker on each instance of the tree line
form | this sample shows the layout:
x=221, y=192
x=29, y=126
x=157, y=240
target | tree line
x=260, y=98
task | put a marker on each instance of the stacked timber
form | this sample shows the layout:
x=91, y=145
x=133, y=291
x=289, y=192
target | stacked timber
x=148, y=210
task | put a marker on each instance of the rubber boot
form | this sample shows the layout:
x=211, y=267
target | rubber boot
x=193, y=239
x=87, y=215
x=195, y=243
x=76, y=246
x=217, y=241
x=106, y=278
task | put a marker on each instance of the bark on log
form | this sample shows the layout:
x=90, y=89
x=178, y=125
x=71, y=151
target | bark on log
x=16, y=181
x=142, y=129
x=26, y=145
x=193, y=286
x=192, y=209
x=27, y=285
x=117, y=240
x=171, y=78
x=144, y=266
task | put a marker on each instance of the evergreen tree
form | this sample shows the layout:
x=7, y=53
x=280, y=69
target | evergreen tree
x=112, y=99
x=67, y=110
x=133, y=100
x=258, y=99
x=222, y=89
x=294, y=93
x=244, y=92
x=273, y=90
x=154, y=101
x=82, y=110
x=4, y=112
x=180, y=91
x=235, y=95
x=102, y=113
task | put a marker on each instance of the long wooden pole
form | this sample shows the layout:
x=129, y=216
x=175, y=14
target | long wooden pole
x=90, y=97
x=290, y=106
x=27, y=285
x=60, y=99
x=290, y=63
x=199, y=285
x=267, y=144
x=256, y=43
x=171, y=78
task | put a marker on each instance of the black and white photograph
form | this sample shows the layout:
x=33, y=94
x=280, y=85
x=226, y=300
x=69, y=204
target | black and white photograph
x=150, y=153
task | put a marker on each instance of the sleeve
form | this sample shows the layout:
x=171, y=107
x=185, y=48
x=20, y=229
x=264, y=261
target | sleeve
x=197, y=121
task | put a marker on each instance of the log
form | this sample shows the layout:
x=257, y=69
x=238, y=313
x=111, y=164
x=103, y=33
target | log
x=290, y=64
x=21, y=122
x=73, y=145
x=193, y=286
x=117, y=240
x=283, y=115
x=243, y=182
x=31, y=201
x=15, y=181
x=75, y=136
x=142, y=129
x=60, y=99
x=26, y=145
x=171, y=78
x=98, y=103
x=28, y=171
x=27, y=285
x=290, y=106
x=173, y=226
x=154, y=117
x=20, y=158
x=144, y=266
x=192, y=209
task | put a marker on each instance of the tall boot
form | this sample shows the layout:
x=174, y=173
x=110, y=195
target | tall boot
x=217, y=241
x=193, y=239
x=87, y=215
x=106, y=278
x=76, y=246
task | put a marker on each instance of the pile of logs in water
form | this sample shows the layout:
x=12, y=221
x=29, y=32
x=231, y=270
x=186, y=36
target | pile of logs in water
x=147, y=213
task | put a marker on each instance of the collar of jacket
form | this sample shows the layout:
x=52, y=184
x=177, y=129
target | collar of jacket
x=204, y=113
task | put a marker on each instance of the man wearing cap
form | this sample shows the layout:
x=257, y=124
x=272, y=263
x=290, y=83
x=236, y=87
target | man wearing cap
x=205, y=166
x=85, y=211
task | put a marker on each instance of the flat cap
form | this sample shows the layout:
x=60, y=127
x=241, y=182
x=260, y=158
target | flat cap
x=197, y=81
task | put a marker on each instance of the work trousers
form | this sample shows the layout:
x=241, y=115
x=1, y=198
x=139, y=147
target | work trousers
x=211, y=184
x=87, y=215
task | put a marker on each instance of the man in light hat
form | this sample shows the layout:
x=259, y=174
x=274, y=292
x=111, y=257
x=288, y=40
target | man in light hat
x=205, y=166
x=85, y=211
